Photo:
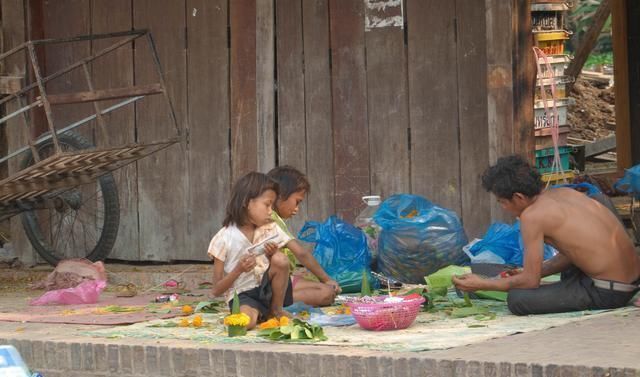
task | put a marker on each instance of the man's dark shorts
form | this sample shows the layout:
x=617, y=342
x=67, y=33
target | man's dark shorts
x=575, y=291
x=259, y=297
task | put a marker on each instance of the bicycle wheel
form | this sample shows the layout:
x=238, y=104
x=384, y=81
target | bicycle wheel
x=81, y=222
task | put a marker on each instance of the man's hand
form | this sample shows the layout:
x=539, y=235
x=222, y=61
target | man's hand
x=270, y=248
x=468, y=282
x=511, y=272
x=246, y=263
x=335, y=285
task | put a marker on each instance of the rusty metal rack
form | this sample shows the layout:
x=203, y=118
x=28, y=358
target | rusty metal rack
x=62, y=170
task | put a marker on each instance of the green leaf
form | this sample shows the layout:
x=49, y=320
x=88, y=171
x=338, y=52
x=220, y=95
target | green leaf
x=276, y=335
x=467, y=311
x=365, y=288
x=267, y=332
x=308, y=333
x=235, y=308
x=208, y=307
x=467, y=299
x=160, y=311
x=485, y=317
x=166, y=324
x=286, y=330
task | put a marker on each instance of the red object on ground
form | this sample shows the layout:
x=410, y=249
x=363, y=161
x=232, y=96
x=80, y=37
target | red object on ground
x=380, y=315
x=86, y=292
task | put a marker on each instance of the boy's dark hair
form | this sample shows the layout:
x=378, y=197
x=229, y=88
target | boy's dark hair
x=289, y=180
x=250, y=186
x=512, y=174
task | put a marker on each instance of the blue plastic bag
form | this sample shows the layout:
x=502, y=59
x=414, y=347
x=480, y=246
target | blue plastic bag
x=592, y=191
x=417, y=238
x=341, y=249
x=630, y=183
x=317, y=316
x=505, y=242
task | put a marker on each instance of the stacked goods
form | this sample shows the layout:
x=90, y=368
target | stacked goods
x=550, y=101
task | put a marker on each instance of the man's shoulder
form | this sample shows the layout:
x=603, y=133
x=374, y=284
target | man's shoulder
x=543, y=206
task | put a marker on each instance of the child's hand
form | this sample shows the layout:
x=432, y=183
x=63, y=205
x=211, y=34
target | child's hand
x=334, y=284
x=246, y=263
x=270, y=248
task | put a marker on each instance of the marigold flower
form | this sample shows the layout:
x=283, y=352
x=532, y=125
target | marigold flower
x=284, y=321
x=239, y=319
x=197, y=321
x=184, y=322
x=270, y=324
x=187, y=309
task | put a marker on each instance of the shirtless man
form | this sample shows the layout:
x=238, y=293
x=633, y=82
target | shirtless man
x=600, y=268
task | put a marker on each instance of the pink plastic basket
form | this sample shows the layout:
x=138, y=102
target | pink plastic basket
x=380, y=315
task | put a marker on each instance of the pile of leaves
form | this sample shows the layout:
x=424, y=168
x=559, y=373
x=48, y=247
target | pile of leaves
x=295, y=330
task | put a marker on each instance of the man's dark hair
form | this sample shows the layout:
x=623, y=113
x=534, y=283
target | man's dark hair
x=289, y=180
x=250, y=186
x=512, y=174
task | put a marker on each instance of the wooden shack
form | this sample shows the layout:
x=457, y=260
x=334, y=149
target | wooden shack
x=365, y=96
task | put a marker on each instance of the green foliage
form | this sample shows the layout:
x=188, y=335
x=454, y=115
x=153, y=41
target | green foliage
x=209, y=307
x=235, y=307
x=365, y=289
x=580, y=17
x=296, y=330
x=599, y=60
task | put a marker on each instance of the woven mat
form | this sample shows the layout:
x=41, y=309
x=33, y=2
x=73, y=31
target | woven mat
x=95, y=314
x=430, y=331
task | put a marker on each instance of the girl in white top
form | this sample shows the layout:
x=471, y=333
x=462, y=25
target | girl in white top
x=243, y=261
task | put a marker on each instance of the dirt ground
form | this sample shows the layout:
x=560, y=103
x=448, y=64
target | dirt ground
x=592, y=117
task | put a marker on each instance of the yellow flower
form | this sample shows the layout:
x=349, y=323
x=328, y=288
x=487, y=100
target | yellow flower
x=284, y=321
x=187, y=310
x=197, y=321
x=239, y=319
x=184, y=322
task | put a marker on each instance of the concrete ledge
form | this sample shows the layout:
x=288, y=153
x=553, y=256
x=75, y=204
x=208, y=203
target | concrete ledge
x=74, y=359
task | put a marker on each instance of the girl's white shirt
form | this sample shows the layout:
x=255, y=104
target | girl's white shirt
x=230, y=245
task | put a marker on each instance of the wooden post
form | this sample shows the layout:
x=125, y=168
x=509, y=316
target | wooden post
x=621, y=74
x=589, y=41
x=524, y=74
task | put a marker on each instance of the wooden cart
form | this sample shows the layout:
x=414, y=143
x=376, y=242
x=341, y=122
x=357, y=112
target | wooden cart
x=63, y=188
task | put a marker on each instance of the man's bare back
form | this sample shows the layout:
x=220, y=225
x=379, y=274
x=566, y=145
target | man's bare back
x=586, y=232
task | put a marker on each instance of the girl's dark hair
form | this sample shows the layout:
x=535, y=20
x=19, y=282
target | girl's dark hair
x=289, y=180
x=512, y=174
x=250, y=186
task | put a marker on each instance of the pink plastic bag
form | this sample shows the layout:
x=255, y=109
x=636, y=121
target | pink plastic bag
x=86, y=292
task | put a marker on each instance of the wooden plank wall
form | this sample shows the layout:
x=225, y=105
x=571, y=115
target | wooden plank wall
x=366, y=96
x=112, y=71
x=633, y=40
x=14, y=16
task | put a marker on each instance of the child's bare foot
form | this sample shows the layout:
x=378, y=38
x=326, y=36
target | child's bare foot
x=637, y=303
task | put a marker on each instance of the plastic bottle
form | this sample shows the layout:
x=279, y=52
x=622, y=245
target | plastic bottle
x=11, y=364
x=364, y=221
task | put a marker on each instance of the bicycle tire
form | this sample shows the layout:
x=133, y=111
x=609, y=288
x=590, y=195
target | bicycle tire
x=109, y=199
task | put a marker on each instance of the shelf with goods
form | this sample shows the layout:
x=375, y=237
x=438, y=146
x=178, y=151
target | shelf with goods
x=550, y=35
